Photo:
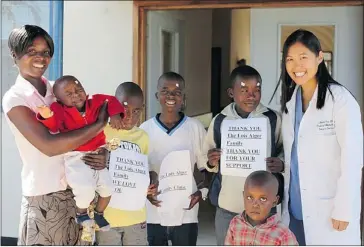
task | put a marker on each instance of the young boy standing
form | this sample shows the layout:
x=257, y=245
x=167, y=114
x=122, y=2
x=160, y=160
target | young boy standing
x=127, y=227
x=257, y=225
x=171, y=131
x=225, y=191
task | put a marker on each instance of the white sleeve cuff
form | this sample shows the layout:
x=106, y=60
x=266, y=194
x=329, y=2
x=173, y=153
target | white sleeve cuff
x=204, y=192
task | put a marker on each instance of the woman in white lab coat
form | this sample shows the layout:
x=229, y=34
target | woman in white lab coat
x=323, y=146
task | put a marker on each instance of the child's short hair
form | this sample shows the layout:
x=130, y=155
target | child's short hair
x=129, y=89
x=62, y=80
x=244, y=72
x=65, y=78
x=21, y=38
x=172, y=76
x=263, y=178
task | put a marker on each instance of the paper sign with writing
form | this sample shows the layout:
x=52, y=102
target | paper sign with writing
x=244, y=145
x=129, y=171
x=175, y=184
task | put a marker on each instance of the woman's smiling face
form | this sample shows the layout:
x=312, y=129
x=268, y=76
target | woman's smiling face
x=36, y=59
x=302, y=64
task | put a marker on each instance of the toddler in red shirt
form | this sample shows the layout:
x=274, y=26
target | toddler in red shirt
x=257, y=225
x=73, y=110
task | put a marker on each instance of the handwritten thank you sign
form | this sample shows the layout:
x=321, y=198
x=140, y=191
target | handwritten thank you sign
x=244, y=145
x=130, y=176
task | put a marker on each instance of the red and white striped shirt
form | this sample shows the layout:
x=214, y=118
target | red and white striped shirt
x=272, y=232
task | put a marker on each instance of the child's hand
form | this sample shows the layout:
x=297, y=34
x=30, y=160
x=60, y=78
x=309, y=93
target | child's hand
x=152, y=193
x=153, y=190
x=195, y=198
x=116, y=122
x=274, y=164
x=214, y=156
x=339, y=225
x=44, y=111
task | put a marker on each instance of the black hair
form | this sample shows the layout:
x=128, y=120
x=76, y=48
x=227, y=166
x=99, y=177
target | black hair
x=129, y=89
x=241, y=62
x=65, y=78
x=324, y=79
x=244, y=72
x=21, y=38
x=62, y=80
x=172, y=76
x=263, y=178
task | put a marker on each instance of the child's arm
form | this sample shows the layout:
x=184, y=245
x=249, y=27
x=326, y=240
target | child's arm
x=229, y=239
x=50, y=116
x=153, y=189
x=208, y=150
x=201, y=160
x=114, y=107
x=279, y=138
x=275, y=163
x=115, y=110
x=153, y=176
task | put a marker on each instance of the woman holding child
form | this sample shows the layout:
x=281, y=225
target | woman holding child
x=48, y=209
x=323, y=146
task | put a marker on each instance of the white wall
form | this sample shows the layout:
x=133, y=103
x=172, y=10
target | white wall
x=98, y=43
x=240, y=36
x=196, y=57
x=348, y=58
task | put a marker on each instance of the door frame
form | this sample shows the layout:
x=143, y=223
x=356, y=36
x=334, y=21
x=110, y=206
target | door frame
x=140, y=8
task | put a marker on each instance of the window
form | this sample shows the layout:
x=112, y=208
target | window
x=167, y=50
x=46, y=14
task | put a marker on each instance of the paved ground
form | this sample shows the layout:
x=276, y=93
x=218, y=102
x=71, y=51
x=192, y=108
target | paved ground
x=206, y=235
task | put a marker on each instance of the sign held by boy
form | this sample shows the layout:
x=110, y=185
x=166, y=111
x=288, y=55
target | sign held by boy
x=244, y=142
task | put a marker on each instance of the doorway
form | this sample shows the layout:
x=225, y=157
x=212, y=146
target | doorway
x=257, y=51
x=141, y=36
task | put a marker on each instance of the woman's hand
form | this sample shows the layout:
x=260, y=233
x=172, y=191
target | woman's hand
x=97, y=160
x=195, y=198
x=339, y=225
x=103, y=114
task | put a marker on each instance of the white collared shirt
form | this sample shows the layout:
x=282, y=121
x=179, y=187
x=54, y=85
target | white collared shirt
x=188, y=134
x=40, y=174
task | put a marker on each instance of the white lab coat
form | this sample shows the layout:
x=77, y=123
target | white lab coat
x=330, y=159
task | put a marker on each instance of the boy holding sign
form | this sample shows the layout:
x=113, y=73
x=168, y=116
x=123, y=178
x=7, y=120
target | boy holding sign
x=225, y=191
x=177, y=144
x=128, y=227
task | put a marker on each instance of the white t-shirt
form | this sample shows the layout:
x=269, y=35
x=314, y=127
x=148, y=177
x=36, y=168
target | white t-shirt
x=188, y=134
x=40, y=174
